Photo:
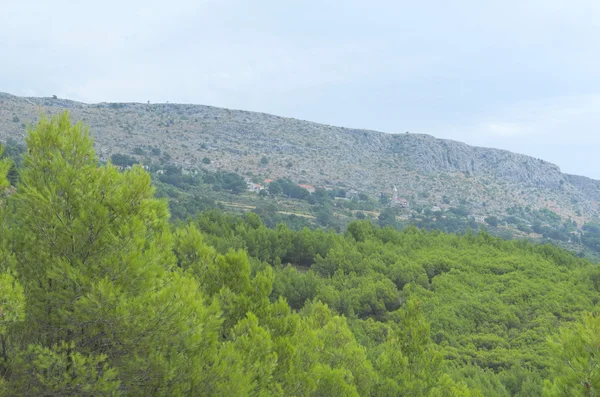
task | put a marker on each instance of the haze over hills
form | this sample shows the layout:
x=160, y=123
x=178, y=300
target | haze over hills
x=427, y=171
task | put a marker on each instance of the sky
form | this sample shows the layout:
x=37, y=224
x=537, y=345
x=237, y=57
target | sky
x=521, y=75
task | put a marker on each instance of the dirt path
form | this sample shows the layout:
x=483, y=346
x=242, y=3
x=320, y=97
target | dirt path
x=251, y=207
x=372, y=213
x=297, y=214
x=237, y=205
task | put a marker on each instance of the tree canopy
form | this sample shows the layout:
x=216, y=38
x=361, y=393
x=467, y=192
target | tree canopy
x=102, y=295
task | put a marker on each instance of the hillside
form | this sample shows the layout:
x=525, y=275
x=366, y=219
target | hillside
x=430, y=173
x=103, y=294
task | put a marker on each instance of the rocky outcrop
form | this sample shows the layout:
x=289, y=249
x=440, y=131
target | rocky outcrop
x=429, y=155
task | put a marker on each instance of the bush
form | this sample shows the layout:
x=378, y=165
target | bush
x=123, y=160
x=492, y=221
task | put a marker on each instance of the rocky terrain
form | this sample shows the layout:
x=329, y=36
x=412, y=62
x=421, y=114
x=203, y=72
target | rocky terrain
x=426, y=170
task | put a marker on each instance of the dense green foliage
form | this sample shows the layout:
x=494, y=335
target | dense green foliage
x=14, y=152
x=491, y=303
x=101, y=295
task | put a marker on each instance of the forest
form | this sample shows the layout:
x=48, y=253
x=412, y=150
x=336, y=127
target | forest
x=103, y=293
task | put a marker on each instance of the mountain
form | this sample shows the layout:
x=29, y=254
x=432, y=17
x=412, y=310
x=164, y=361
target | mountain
x=428, y=172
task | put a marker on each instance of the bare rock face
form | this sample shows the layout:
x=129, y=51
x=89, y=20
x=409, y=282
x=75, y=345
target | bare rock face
x=368, y=161
x=430, y=155
x=587, y=186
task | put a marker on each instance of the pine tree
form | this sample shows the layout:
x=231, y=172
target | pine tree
x=93, y=254
x=576, y=371
x=12, y=299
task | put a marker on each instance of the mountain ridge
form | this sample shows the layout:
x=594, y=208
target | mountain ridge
x=61, y=102
x=427, y=170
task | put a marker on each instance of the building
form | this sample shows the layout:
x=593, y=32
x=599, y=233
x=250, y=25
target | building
x=253, y=187
x=398, y=202
x=310, y=188
x=351, y=194
x=402, y=203
x=479, y=218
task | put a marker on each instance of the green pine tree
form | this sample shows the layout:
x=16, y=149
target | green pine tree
x=93, y=254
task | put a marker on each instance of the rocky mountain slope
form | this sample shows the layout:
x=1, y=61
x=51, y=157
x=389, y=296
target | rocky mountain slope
x=426, y=170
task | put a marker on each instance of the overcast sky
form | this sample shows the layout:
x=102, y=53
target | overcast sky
x=522, y=75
